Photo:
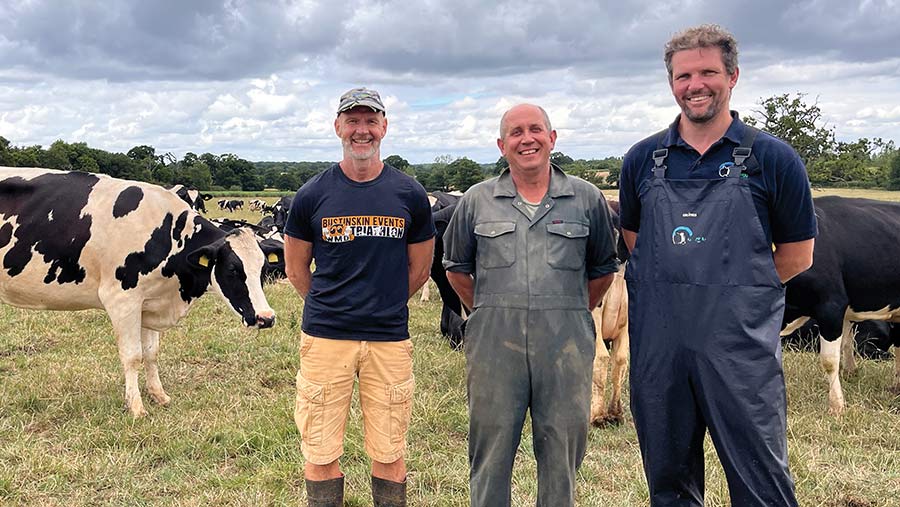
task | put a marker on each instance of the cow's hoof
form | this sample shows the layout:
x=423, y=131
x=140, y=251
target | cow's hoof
x=137, y=410
x=836, y=410
x=161, y=399
x=606, y=421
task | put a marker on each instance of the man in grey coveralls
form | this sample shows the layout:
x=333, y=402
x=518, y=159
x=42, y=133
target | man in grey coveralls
x=531, y=252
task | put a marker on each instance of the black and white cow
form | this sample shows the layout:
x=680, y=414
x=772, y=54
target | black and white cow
x=452, y=317
x=270, y=241
x=233, y=204
x=280, y=211
x=257, y=205
x=854, y=277
x=193, y=198
x=74, y=241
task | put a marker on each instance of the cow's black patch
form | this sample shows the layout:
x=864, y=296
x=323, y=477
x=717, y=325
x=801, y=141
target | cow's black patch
x=193, y=281
x=48, y=212
x=179, y=228
x=155, y=251
x=5, y=234
x=128, y=201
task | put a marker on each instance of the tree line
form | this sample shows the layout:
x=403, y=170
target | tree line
x=864, y=163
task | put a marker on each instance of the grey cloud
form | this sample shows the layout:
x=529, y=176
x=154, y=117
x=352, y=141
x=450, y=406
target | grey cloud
x=137, y=40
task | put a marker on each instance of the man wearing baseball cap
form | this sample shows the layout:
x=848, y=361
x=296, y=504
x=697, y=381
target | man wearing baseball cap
x=368, y=227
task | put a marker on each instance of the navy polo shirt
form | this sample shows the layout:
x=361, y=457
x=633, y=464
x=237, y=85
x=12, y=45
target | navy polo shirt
x=778, y=181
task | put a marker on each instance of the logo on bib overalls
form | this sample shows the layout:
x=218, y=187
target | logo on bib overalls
x=682, y=235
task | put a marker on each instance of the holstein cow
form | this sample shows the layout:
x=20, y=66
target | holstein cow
x=233, y=204
x=611, y=324
x=452, y=320
x=74, y=241
x=854, y=277
x=257, y=205
x=873, y=338
x=193, y=198
x=270, y=241
x=280, y=211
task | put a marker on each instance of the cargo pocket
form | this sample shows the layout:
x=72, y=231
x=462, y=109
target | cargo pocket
x=309, y=412
x=567, y=245
x=401, y=396
x=496, y=244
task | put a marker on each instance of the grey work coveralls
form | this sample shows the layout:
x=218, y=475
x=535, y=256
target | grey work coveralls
x=530, y=341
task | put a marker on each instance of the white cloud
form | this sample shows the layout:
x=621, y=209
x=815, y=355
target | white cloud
x=262, y=79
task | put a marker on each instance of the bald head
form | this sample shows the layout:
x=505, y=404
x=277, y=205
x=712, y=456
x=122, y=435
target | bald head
x=503, y=129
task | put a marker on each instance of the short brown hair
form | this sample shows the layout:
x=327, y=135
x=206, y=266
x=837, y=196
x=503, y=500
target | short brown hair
x=704, y=36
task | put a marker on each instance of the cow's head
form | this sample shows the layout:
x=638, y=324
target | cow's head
x=236, y=266
x=273, y=249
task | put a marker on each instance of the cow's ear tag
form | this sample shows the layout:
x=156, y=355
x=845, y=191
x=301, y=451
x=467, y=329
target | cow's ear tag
x=203, y=261
x=273, y=258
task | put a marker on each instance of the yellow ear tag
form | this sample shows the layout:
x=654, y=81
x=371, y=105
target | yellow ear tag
x=273, y=258
x=203, y=261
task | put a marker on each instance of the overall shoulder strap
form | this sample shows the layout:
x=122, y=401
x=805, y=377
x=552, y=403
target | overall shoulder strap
x=745, y=150
x=659, y=155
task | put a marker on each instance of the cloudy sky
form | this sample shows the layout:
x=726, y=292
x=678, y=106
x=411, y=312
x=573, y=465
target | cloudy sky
x=261, y=79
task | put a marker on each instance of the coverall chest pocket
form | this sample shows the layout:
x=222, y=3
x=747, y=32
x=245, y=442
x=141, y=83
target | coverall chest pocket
x=567, y=244
x=496, y=244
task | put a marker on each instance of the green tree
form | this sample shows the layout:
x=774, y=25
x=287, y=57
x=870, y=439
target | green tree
x=561, y=159
x=193, y=172
x=500, y=165
x=27, y=157
x=797, y=123
x=58, y=156
x=6, y=158
x=464, y=173
x=142, y=152
x=87, y=164
x=894, y=182
x=400, y=163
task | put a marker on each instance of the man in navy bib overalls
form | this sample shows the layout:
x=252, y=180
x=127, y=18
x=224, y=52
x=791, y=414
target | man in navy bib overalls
x=702, y=204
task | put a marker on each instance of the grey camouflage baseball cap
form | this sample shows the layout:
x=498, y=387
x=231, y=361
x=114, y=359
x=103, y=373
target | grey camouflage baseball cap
x=360, y=97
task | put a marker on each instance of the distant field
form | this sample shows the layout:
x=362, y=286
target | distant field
x=228, y=438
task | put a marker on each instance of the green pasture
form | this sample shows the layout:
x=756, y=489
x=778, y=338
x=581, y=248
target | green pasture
x=228, y=437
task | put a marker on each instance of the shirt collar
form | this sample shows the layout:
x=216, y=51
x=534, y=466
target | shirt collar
x=734, y=133
x=560, y=184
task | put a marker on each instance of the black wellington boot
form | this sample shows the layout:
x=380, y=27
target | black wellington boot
x=328, y=493
x=387, y=493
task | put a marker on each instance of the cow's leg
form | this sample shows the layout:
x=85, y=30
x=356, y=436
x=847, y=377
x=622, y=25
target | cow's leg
x=426, y=292
x=601, y=366
x=128, y=337
x=895, y=386
x=830, y=357
x=150, y=349
x=619, y=368
x=848, y=348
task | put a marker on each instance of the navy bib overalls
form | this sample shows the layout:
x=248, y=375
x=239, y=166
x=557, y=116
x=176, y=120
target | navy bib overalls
x=705, y=313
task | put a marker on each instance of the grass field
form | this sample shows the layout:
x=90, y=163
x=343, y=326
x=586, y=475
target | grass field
x=228, y=438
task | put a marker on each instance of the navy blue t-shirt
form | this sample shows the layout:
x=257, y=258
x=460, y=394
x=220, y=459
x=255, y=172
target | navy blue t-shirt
x=778, y=181
x=359, y=233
